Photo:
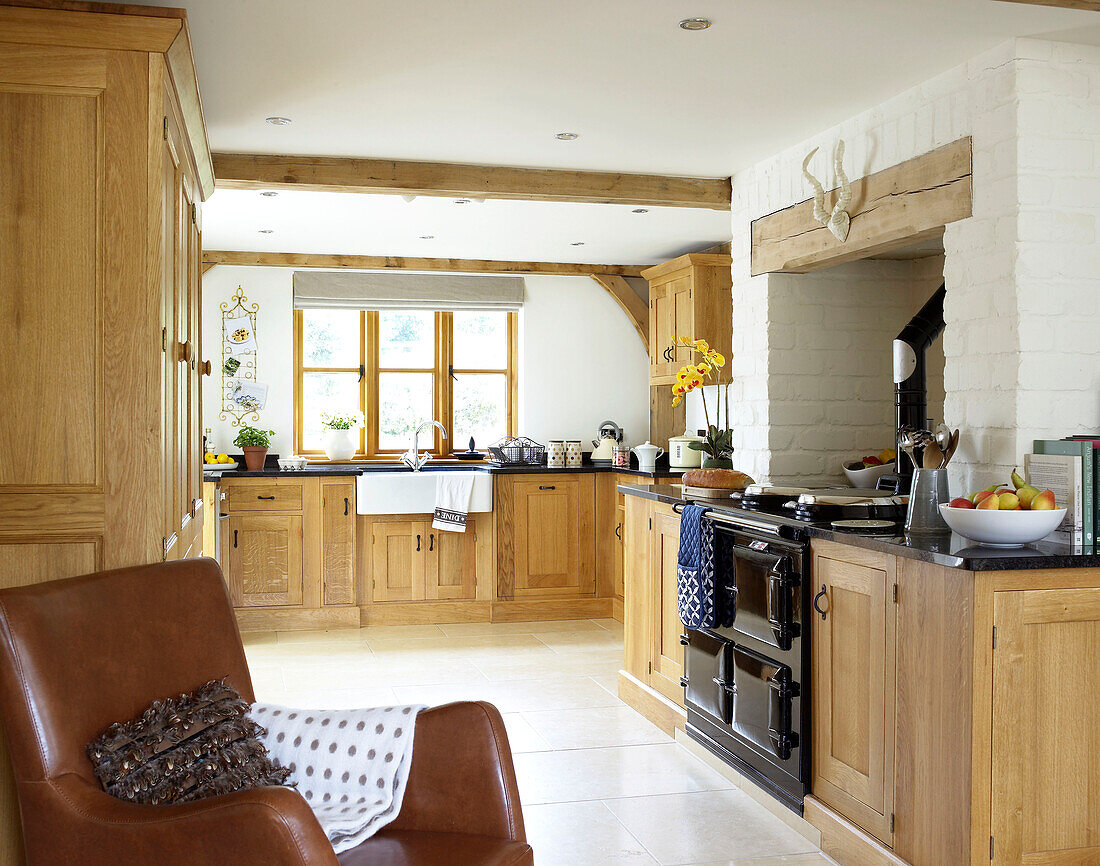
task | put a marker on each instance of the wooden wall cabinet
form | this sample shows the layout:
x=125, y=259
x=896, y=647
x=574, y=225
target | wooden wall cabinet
x=545, y=536
x=689, y=296
x=288, y=551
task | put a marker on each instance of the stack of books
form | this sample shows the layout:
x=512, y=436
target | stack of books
x=1071, y=468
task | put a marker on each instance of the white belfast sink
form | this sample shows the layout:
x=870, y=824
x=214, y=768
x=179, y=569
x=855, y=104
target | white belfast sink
x=406, y=492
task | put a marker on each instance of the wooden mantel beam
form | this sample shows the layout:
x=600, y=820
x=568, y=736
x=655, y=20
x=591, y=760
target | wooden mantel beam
x=378, y=263
x=1086, y=5
x=400, y=177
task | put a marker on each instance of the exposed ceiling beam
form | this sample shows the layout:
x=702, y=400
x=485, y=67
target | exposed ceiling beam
x=378, y=263
x=331, y=174
x=635, y=308
x=1086, y=5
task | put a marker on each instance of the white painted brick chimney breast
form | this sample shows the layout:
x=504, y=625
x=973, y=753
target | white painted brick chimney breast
x=811, y=353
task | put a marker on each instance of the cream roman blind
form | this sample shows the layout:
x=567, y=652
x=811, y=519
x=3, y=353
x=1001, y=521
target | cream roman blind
x=356, y=290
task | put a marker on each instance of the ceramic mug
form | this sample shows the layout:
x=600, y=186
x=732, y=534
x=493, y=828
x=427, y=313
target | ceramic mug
x=573, y=453
x=555, y=454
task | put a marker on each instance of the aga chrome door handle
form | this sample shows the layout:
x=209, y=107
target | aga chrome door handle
x=818, y=597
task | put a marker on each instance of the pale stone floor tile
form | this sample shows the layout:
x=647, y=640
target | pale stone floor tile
x=581, y=834
x=595, y=728
x=720, y=826
x=591, y=797
x=521, y=736
x=622, y=771
x=501, y=628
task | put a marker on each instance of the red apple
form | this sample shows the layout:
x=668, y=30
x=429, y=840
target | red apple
x=961, y=502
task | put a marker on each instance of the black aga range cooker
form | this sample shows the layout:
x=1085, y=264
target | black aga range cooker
x=746, y=688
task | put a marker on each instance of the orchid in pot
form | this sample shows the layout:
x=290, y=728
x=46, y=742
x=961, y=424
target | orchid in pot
x=717, y=445
x=338, y=427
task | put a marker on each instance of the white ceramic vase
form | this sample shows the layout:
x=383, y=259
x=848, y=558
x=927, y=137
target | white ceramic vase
x=338, y=445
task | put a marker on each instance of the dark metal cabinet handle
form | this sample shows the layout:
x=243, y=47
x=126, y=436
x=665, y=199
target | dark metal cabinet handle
x=817, y=598
x=619, y=532
x=234, y=538
x=546, y=487
x=431, y=541
x=345, y=506
x=418, y=542
x=272, y=498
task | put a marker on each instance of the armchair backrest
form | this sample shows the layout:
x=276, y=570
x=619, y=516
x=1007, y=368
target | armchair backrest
x=79, y=654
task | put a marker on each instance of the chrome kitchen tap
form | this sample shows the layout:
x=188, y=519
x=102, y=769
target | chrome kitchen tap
x=413, y=458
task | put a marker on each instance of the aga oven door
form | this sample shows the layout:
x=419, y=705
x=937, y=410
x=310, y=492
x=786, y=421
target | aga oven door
x=768, y=600
x=764, y=703
x=708, y=677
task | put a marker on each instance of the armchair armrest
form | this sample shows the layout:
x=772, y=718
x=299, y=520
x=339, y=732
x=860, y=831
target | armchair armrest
x=76, y=823
x=462, y=779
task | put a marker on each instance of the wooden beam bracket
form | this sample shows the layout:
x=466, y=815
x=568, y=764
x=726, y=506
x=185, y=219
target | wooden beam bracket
x=629, y=301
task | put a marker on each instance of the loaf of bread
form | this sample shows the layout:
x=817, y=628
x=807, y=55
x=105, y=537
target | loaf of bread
x=725, y=479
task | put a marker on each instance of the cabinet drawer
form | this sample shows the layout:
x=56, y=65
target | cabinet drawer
x=262, y=496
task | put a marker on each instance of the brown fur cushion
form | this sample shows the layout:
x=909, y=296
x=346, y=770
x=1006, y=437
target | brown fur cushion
x=187, y=748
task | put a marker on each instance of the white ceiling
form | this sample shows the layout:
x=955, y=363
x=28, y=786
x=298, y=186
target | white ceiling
x=492, y=81
x=385, y=225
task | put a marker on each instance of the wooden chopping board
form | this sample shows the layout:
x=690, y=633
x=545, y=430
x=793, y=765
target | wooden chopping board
x=709, y=492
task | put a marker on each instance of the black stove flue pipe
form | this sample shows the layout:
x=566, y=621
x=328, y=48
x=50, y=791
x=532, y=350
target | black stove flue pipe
x=910, y=378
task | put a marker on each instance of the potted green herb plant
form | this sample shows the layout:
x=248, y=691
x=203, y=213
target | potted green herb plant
x=254, y=443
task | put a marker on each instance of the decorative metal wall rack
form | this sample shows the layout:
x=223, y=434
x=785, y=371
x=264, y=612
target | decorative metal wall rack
x=239, y=357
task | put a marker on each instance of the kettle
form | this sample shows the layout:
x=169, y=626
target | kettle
x=610, y=434
x=647, y=456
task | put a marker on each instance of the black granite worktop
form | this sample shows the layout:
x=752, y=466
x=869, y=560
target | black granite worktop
x=337, y=469
x=948, y=549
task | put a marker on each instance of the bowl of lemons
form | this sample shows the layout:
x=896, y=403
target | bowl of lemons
x=218, y=462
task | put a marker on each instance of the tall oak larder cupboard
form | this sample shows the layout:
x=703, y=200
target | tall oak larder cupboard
x=103, y=165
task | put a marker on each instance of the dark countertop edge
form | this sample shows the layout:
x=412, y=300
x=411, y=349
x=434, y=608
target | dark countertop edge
x=973, y=558
x=478, y=466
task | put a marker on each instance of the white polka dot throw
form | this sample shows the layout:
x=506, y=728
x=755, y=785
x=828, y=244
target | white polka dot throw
x=350, y=765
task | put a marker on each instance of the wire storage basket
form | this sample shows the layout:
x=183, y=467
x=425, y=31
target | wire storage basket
x=517, y=451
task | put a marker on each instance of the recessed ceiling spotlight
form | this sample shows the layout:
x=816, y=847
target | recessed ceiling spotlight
x=462, y=201
x=426, y=237
x=266, y=231
x=408, y=199
x=279, y=121
x=577, y=244
x=640, y=210
x=566, y=136
x=695, y=24
x=269, y=194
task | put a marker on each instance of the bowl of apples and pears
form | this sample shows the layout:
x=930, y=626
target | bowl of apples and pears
x=1004, y=516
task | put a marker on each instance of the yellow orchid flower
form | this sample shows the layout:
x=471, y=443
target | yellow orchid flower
x=703, y=369
x=678, y=389
x=716, y=358
x=676, y=401
x=702, y=345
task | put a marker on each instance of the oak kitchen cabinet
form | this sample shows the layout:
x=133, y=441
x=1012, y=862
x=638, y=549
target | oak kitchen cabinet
x=105, y=166
x=545, y=536
x=610, y=527
x=288, y=551
x=411, y=561
x=689, y=296
x=650, y=681
x=952, y=725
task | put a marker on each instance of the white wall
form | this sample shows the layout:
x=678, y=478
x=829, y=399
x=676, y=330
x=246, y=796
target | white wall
x=1022, y=273
x=581, y=361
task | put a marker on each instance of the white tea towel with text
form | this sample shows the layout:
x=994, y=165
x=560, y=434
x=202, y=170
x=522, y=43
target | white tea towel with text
x=452, y=500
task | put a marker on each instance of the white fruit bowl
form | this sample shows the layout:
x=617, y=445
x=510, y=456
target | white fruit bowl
x=866, y=479
x=1002, y=528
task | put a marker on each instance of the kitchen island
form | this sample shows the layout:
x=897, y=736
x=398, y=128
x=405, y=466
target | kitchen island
x=953, y=694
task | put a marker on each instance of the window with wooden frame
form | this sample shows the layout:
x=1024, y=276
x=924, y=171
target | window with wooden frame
x=401, y=368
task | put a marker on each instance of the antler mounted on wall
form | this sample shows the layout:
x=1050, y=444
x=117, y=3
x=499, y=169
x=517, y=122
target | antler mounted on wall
x=838, y=222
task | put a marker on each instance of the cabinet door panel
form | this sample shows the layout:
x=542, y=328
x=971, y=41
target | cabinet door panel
x=553, y=540
x=338, y=542
x=662, y=317
x=1046, y=727
x=668, y=653
x=853, y=693
x=451, y=563
x=399, y=551
x=684, y=321
x=265, y=560
x=617, y=568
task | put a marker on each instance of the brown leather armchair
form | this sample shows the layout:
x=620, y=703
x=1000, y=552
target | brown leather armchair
x=79, y=654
